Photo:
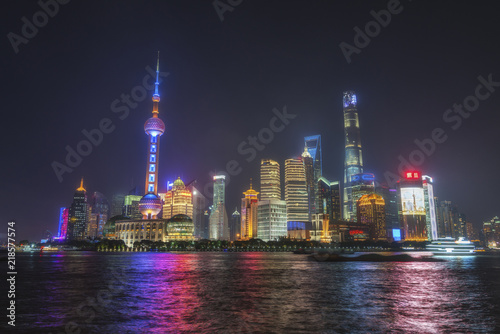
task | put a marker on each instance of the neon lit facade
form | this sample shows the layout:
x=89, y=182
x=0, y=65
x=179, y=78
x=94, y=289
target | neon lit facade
x=249, y=214
x=178, y=200
x=412, y=207
x=353, y=163
x=371, y=212
x=270, y=182
x=361, y=184
x=297, y=203
x=63, y=223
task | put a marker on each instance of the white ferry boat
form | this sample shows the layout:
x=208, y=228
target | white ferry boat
x=450, y=246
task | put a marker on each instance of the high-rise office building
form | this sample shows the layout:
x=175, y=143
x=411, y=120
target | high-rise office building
x=249, y=213
x=313, y=147
x=200, y=206
x=491, y=232
x=98, y=215
x=413, y=225
x=330, y=202
x=78, y=214
x=117, y=203
x=150, y=204
x=219, y=229
x=178, y=200
x=296, y=191
x=353, y=163
x=447, y=219
x=361, y=184
x=235, y=226
x=270, y=182
x=312, y=188
x=336, y=201
x=131, y=207
x=371, y=212
x=272, y=219
x=430, y=208
x=63, y=223
x=390, y=197
x=325, y=205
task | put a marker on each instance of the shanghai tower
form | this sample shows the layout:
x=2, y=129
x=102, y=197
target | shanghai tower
x=353, y=163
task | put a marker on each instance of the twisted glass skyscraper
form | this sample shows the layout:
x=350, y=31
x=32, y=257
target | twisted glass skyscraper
x=353, y=163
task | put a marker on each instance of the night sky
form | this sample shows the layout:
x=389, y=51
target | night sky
x=225, y=78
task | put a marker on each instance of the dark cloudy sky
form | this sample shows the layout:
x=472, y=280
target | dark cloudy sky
x=225, y=79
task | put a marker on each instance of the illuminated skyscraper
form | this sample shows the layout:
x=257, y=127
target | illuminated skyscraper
x=325, y=196
x=150, y=204
x=390, y=197
x=235, y=226
x=249, y=213
x=270, y=183
x=447, y=213
x=353, y=163
x=131, y=206
x=336, y=201
x=219, y=229
x=430, y=206
x=371, y=212
x=78, y=214
x=297, y=208
x=200, y=205
x=313, y=146
x=63, y=223
x=271, y=218
x=312, y=187
x=178, y=200
x=413, y=225
x=361, y=184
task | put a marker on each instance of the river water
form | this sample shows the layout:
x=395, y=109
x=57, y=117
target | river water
x=91, y=292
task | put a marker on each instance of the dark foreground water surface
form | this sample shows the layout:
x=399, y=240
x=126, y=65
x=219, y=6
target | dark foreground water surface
x=89, y=292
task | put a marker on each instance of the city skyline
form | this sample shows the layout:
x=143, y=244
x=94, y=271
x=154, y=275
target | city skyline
x=406, y=115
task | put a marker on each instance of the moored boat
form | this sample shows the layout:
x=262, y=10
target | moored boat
x=450, y=246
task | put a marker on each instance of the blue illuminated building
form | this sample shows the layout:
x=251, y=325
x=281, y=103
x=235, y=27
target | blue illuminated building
x=353, y=163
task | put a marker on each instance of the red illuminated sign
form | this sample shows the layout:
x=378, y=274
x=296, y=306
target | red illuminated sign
x=412, y=175
x=353, y=232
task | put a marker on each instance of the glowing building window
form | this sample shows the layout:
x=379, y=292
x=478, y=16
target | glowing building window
x=153, y=148
x=151, y=187
x=152, y=168
x=151, y=178
x=152, y=158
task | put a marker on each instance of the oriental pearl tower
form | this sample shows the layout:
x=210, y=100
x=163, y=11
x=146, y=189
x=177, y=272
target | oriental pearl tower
x=150, y=204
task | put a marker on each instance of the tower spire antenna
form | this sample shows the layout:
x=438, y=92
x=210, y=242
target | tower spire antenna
x=156, y=95
x=81, y=188
x=157, y=74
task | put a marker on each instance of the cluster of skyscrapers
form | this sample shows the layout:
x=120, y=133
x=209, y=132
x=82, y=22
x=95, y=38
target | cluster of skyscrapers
x=305, y=206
